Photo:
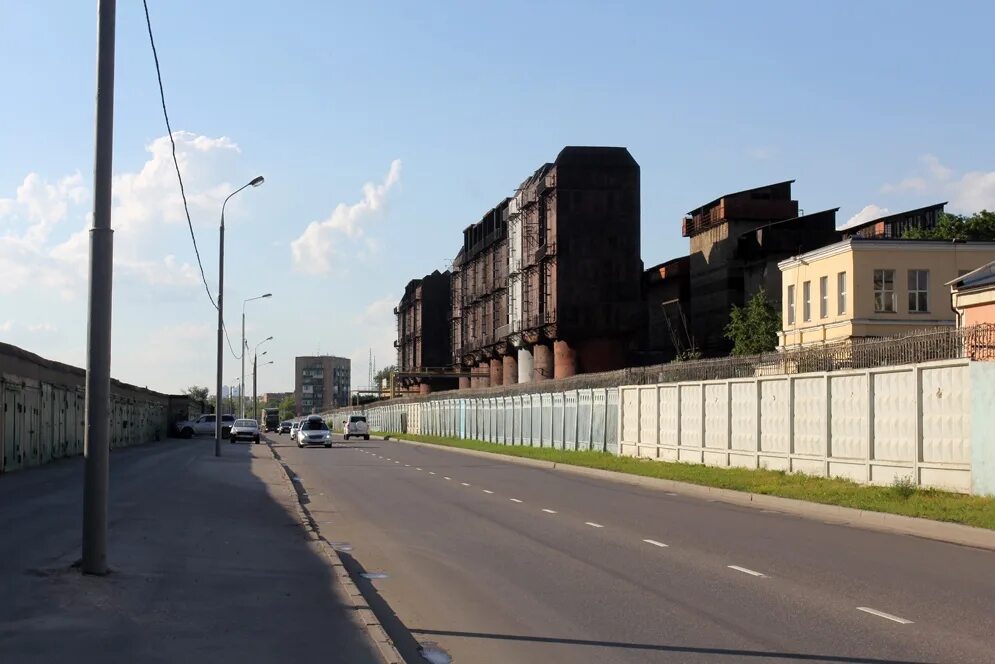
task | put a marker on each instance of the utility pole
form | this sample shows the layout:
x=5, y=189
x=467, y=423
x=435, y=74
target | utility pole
x=255, y=403
x=96, y=430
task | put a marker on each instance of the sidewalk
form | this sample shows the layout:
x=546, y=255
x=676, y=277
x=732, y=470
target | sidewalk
x=208, y=563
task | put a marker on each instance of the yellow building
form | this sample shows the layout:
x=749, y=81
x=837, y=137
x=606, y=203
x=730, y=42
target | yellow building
x=872, y=288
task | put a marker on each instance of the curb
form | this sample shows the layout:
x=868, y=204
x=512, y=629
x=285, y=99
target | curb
x=374, y=630
x=942, y=531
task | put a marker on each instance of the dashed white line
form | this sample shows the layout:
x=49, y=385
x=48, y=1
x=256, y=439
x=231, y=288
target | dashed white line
x=593, y=525
x=882, y=614
x=655, y=543
x=464, y=484
x=670, y=493
x=416, y=468
x=407, y=465
x=487, y=491
x=548, y=511
x=514, y=500
x=431, y=472
x=397, y=462
x=448, y=478
x=744, y=570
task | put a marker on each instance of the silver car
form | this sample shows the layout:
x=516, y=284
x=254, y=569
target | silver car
x=244, y=430
x=314, y=431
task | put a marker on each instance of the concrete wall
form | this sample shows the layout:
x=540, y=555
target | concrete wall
x=572, y=420
x=928, y=422
x=43, y=410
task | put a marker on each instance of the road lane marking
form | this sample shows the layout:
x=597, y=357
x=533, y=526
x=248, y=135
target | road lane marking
x=670, y=493
x=464, y=484
x=882, y=614
x=593, y=525
x=655, y=543
x=487, y=491
x=397, y=462
x=548, y=511
x=417, y=468
x=744, y=570
x=514, y=500
x=407, y=465
x=448, y=478
x=431, y=472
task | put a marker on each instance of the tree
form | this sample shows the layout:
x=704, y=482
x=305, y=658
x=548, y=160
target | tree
x=979, y=226
x=384, y=374
x=753, y=329
x=197, y=393
x=288, y=407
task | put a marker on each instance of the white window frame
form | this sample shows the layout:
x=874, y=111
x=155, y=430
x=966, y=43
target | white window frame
x=881, y=304
x=840, y=293
x=807, y=301
x=791, y=304
x=824, y=297
x=919, y=294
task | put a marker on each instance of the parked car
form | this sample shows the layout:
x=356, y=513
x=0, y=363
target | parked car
x=284, y=427
x=356, y=426
x=204, y=426
x=314, y=431
x=244, y=429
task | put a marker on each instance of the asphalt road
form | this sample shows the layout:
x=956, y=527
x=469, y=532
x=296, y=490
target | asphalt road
x=495, y=561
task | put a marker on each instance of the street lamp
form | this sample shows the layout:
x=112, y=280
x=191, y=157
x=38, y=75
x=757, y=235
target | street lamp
x=254, y=358
x=255, y=182
x=241, y=401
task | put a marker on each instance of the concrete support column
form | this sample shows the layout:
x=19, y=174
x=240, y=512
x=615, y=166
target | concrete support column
x=524, y=365
x=542, y=362
x=424, y=388
x=497, y=372
x=510, y=369
x=464, y=382
x=485, y=370
x=564, y=360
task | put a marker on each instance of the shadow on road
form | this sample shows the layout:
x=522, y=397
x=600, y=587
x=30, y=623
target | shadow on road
x=725, y=652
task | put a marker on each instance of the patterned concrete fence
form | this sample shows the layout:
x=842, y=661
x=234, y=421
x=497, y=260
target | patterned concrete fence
x=572, y=420
x=930, y=422
x=43, y=410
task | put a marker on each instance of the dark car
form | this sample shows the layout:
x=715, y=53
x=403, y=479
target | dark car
x=284, y=427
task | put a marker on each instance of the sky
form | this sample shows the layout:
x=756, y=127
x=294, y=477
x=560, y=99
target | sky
x=384, y=128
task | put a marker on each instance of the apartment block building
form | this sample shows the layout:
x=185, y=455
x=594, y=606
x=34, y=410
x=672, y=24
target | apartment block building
x=321, y=382
x=872, y=288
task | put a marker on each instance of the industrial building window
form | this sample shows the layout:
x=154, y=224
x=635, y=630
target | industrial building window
x=919, y=291
x=884, y=291
x=841, y=293
x=807, y=301
x=823, y=297
x=791, y=305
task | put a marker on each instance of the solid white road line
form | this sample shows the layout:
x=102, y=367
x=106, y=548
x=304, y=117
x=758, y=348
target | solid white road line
x=514, y=500
x=655, y=543
x=744, y=570
x=487, y=491
x=548, y=511
x=593, y=525
x=882, y=614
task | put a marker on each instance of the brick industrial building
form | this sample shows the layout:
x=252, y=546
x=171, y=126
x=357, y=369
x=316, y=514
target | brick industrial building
x=547, y=283
x=423, y=347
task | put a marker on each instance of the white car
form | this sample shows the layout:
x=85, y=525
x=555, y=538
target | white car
x=356, y=426
x=204, y=426
x=314, y=431
x=294, y=428
x=244, y=430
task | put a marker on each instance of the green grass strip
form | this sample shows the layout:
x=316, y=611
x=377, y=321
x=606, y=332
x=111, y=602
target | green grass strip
x=900, y=498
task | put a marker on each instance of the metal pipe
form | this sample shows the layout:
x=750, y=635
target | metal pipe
x=96, y=432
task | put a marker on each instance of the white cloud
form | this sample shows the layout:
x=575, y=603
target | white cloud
x=866, y=214
x=147, y=216
x=967, y=192
x=6, y=326
x=377, y=326
x=313, y=250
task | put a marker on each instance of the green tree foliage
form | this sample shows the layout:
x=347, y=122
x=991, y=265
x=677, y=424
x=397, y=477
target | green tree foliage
x=197, y=393
x=979, y=226
x=753, y=329
x=384, y=374
x=288, y=407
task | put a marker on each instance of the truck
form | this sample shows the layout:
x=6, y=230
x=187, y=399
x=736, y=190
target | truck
x=270, y=420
